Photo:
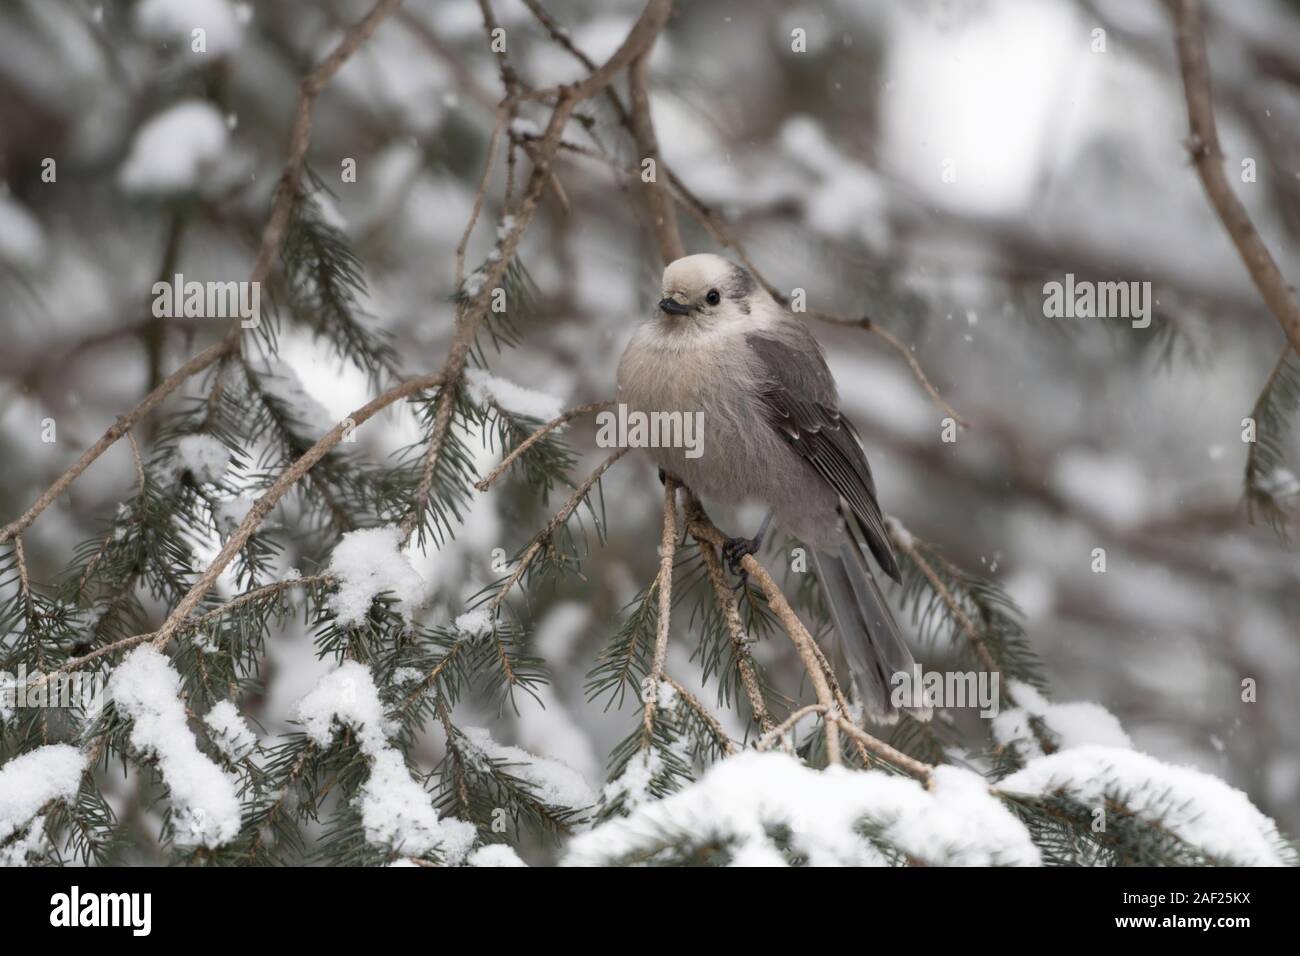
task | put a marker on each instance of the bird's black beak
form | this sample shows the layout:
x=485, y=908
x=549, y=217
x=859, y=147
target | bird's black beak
x=673, y=307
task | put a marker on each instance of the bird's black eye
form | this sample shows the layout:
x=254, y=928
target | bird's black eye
x=714, y=297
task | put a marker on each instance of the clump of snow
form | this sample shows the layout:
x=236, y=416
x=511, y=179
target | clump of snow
x=33, y=779
x=475, y=623
x=898, y=531
x=1073, y=725
x=278, y=379
x=367, y=563
x=230, y=732
x=177, y=19
x=743, y=800
x=632, y=786
x=554, y=783
x=513, y=399
x=173, y=150
x=205, y=804
x=205, y=458
x=22, y=243
x=1195, y=806
x=396, y=811
x=494, y=854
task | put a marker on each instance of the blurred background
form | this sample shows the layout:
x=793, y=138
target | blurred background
x=929, y=164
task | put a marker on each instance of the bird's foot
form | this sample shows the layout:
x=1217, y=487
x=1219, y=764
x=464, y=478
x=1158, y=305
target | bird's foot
x=737, y=549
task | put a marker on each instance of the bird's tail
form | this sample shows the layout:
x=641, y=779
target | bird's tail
x=870, y=636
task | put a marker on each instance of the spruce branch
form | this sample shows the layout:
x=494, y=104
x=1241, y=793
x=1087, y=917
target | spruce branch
x=1207, y=156
x=704, y=530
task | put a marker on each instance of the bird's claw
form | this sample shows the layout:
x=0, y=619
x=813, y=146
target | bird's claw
x=735, y=550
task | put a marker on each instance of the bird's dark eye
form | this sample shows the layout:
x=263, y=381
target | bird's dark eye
x=714, y=297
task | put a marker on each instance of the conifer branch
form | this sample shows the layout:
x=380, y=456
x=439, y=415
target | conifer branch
x=523, y=447
x=664, y=584
x=1207, y=156
x=703, y=529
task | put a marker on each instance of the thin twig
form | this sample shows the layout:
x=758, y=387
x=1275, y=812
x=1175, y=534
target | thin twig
x=726, y=601
x=119, y=428
x=1207, y=155
x=703, y=529
x=664, y=582
x=537, y=436
x=557, y=520
x=715, y=726
x=781, y=730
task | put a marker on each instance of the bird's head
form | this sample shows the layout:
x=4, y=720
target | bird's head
x=706, y=291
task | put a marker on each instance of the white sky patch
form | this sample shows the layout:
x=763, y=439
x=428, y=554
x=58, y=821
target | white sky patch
x=175, y=149
x=202, y=456
x=988, y=87
x=33, y=779
x=396, y=811
x=230, y=732
x=554, y=783
x=177, y=19
x=515, y=399
x=741, y=799
x=205, y=805
x=367, y=563
x=1074, y=724
x=1199, y=808
x=22, y=241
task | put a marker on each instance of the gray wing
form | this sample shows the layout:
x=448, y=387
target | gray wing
x=798, y=394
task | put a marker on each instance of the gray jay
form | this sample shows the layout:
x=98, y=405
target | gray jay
x=719, y=345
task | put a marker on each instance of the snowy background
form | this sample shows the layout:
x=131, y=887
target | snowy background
x=829, y=164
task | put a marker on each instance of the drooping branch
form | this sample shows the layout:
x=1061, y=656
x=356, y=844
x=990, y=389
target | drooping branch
x=1207, y=156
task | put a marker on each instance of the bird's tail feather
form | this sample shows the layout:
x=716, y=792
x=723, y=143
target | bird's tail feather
x=872, y=642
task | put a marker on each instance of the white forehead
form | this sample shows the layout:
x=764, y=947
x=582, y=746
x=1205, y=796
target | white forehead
x=696, y=272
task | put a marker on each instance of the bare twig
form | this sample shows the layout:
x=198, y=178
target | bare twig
x=311, y=87
x=885, y=752
x=726, y=601
x=543, y=537
x=537, y=436
x=1207, y=155
x=664, y=582
x=119, y=428
x=663, y=214
x=775, y=735
x=703, y=529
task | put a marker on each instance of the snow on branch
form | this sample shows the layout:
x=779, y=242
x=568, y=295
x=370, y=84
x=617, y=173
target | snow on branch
x=769, y=809
x=396, y=812
x=145, y=688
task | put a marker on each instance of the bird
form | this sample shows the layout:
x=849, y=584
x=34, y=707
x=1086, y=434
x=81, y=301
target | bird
x=718, y=345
